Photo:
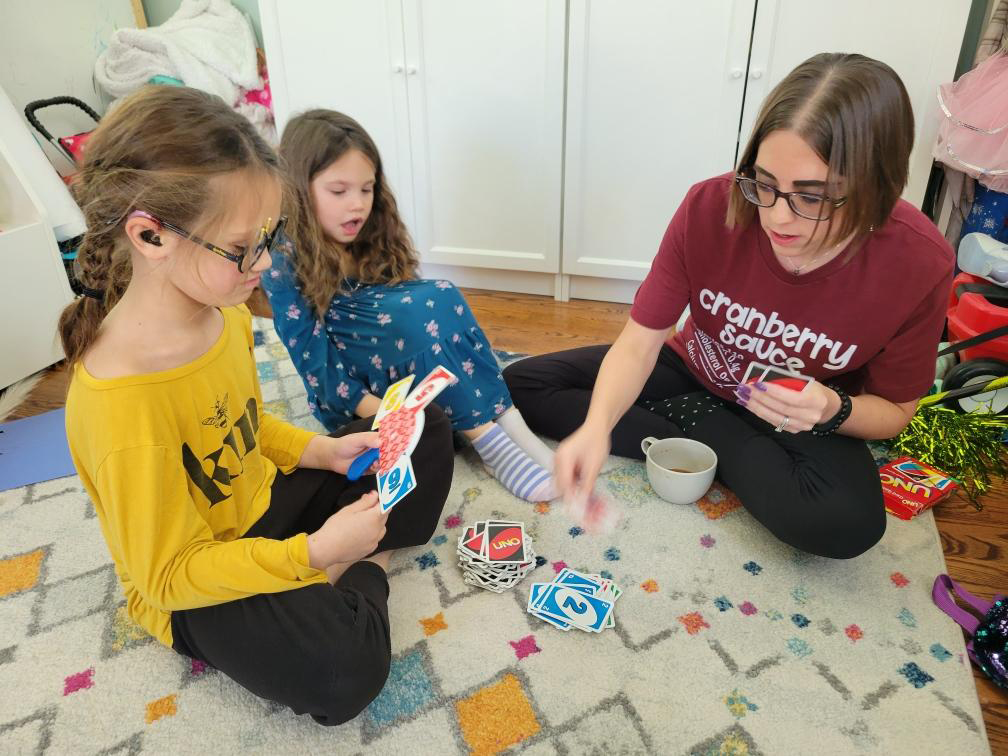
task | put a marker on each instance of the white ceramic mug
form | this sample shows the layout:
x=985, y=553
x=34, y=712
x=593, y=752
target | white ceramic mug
x=680, y=469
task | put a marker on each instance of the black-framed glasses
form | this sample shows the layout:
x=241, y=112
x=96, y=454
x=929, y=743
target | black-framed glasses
x=807, y=205
x=266, y=241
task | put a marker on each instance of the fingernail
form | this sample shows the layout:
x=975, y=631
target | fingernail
x=761, y=386
x=742, y=401
x=743, y=391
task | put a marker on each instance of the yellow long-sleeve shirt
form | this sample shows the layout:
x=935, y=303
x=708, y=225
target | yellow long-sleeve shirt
x=179, y=466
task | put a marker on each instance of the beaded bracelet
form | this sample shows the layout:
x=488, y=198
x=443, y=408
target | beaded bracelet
x=831, y=425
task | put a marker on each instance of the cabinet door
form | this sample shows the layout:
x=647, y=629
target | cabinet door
x=920, y=39
x=654, y=92
x=344, y=55
x=485, y=88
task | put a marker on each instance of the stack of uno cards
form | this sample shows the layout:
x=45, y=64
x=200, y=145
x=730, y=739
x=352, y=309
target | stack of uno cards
x=575, y=599
x=495, y=554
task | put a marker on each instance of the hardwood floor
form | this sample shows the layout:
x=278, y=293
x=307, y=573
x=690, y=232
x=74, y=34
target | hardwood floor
x=975, y=543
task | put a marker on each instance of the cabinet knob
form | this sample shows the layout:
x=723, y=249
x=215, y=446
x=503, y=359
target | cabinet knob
x=397, y=68
x=736, y=73
x=411, y=70
x=756, y=73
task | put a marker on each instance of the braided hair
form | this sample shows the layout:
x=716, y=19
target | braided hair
x=157, y=151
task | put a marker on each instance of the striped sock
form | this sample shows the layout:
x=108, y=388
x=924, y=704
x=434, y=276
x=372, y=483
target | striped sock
x=513, y=467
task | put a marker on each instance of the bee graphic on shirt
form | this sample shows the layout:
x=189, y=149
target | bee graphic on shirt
x=220, y=416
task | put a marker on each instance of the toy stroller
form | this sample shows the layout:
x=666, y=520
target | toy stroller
x=69, y=146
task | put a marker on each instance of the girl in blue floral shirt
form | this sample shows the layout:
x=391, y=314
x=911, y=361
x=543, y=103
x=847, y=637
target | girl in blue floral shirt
x=355, y=318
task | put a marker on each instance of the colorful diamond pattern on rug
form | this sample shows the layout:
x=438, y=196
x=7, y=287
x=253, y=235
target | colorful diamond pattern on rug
x=407, y=690
x=877, y=668
x=20, y=573
x=497, y=717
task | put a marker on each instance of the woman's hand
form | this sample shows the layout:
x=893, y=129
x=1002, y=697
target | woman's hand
x=786, y=409
x=578, y=461
x=337, y=454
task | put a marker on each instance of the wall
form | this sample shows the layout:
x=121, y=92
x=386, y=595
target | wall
x=158, y=11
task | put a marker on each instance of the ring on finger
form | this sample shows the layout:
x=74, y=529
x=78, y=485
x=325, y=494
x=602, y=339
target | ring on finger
x=783, y=424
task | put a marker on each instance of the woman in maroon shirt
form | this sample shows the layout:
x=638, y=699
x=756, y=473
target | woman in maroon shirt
x=805, y=259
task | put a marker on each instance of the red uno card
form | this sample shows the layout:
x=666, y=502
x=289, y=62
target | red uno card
x=436, y=381
x=757, y=371
x=786, y=379
x=505, y=542
x=474, y=544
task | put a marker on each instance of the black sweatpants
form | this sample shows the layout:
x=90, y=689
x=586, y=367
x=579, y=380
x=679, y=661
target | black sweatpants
x=820, y=494
x=323, y=650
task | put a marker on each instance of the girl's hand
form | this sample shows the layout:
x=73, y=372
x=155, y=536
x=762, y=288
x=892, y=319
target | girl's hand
x=350, y=534
x=578, y=461
x=344, y=450
x=802, y=409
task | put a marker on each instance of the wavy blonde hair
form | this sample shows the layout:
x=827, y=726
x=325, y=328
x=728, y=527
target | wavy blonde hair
x=382, y=252
x=158, y=151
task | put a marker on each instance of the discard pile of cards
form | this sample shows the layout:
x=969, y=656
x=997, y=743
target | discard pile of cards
x=495, y=554
x=575, y=599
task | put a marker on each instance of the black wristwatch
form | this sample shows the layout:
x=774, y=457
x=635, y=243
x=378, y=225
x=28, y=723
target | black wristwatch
x=831, y=425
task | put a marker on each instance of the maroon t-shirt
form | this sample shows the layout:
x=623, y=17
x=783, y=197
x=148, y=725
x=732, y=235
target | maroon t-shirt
x=869, y=323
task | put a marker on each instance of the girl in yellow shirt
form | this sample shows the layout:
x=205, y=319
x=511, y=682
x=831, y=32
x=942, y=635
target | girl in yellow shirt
x=237, y=537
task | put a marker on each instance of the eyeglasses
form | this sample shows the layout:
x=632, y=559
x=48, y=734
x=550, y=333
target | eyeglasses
x=815, y=207
x=246, y=261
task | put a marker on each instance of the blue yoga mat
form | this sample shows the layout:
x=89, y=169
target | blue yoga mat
x=34, y=450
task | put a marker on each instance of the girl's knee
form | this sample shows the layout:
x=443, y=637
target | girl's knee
x=344, y=688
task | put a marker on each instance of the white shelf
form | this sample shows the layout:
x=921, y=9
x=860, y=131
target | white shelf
x=34, y=287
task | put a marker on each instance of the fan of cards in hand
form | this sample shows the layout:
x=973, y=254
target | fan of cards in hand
x=495, y=555
x=575, y=599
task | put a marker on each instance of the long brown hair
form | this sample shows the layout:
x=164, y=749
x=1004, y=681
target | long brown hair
x=854, y=112
x=382, y=252
x=157, y=151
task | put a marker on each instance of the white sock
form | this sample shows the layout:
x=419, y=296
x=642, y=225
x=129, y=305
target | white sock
x=516, y=470
x=514, y=425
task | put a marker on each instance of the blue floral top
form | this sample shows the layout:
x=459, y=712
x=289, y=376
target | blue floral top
x=375, y=334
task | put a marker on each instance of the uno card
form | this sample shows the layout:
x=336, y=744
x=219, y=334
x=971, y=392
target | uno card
x=436, y=381
x=394, y=397
x=505, y=542
x=758, y=372
x=534, y=594
x=394, y=484
x=474, y=545
x=398, y=435
x=577, y=580
x=786, y=379
x=754, y=372
x=574, y=607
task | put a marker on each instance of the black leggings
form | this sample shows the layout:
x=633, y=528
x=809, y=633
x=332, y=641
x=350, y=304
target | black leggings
x=323, y=650
x=820, y=494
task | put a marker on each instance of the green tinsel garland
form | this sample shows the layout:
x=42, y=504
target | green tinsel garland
x=966, y=446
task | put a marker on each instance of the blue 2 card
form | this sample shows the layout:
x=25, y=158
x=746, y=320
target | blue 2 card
x=570, y=605
x=534, y=593
x=567, y=576
x=396, y=483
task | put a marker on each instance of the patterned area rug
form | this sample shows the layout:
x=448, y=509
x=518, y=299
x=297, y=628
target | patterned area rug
x=725, y=641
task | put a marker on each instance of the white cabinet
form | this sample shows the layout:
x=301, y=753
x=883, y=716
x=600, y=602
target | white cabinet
x=919, y=39
x=543, y=145
x=654, y=92
x=465, y=102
